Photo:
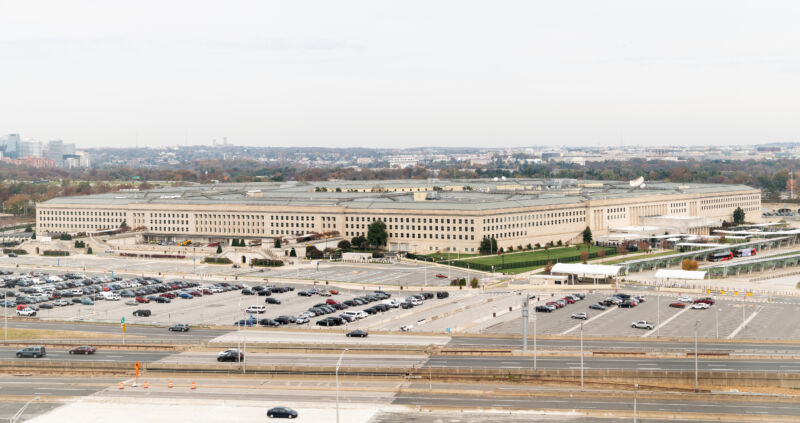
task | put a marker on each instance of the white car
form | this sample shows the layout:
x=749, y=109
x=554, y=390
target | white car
x=27, y=312
x=582, y=316
x=230, y=350
x=685, y=299
x=700, y=306
x=642, y=324
x=302, y=319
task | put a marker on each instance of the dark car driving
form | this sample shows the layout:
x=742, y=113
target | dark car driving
x=282, y=412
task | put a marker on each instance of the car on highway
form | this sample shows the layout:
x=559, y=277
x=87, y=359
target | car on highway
x=642, y=324
x=180, y=327
x=34, y=352
x=597, y=307
x=282, y=412
x=582, y=315
x=142, y=312
x=358, y=333
x=677, y=304
x=83, y=349
x=700, y=306
x=231, y=355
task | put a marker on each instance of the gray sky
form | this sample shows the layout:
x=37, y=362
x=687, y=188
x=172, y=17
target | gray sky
x=401, y=73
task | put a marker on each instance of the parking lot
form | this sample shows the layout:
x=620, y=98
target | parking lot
x=773, y=318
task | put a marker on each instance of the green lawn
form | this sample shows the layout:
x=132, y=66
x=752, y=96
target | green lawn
x=451, y=256
x=541, y=254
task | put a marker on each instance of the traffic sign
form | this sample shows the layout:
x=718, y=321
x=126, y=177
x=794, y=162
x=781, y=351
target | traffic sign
x=121, y=321
x=136, y=366
x=123, y=327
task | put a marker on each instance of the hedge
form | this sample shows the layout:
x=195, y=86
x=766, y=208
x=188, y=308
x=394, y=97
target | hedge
x=266, y=262
x=217, y=260
x=14, y=250
x=55, y=253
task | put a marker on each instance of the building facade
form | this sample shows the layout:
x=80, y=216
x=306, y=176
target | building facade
x=420, y=216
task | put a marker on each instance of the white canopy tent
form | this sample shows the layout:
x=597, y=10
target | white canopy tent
x=583, y=270
x=680, y=274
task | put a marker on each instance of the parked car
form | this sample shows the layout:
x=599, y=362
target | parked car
x=26, y=312
x=358, y=333
x=34, y=351
x=282, y=412
x=543, y=309
x=180, y=327
x=685, y=299
x=272, y=300
x=642, y=324
x=597, y=307
x=706, y=300
x=442, y=294
x=582, y=315
x=677, y=304
x=302, y=319
x=700, y=306
x=142, y=312
x=83, y=349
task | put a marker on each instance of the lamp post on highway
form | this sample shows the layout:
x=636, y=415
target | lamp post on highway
x=338, y=363
x=581, y=355
x=716, y=319
x=635, y=388
x=658, y=314
x=525, y=313
x=696, y=385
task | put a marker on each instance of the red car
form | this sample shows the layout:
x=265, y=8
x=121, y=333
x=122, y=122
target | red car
x=677, y=305
x=142, y=300
x=167, y=295
x=441, y=276
x=330, y=301
x=707, y=300
x=105, y=288
x=195, y=294
x=555, y=304
x=83, y=349
x=207, y=291
x=334, y=292
x=569, y=300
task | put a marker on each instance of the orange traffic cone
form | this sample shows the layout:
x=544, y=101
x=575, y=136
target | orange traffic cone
x=145, y=385
x=170, y=384
x=121, y=385
x=193, y=386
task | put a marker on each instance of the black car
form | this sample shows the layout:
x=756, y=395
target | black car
x=231, y=355
x=142, y=312
x=358, y=333
x=282, y=412
x=304, y=294
x=247, y=292
x=597, y=307
x=285, y=320
x=442, y=294
x=543, y=309
x=264, y=293
x=271, y=300
x=269, y=323
x=180, y=327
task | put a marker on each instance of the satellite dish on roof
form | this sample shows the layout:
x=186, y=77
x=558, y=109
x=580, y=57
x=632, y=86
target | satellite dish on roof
x=637, y=182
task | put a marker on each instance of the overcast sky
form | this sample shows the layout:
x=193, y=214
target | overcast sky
x=401, y=73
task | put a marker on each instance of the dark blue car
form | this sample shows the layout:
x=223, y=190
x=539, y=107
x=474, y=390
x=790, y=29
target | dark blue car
x=186, y=296
x=284, y=412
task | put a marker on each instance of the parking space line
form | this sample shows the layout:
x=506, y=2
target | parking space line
x=744, y=324
x=587, y=321
x=664, y=323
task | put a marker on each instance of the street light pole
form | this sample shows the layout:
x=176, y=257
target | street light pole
x=338, y=363
x=696, y=385
x=525, y=313
x=716, y=319
x=581, y=355
x=534, y=341
x=658, y=314
x=635, y=388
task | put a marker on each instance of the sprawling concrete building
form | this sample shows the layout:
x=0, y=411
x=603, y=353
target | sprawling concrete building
x=421, y=215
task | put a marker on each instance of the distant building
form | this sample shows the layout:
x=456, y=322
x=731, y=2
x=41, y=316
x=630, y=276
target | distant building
x=30, y=149
x=10, y=145
x=402, y=161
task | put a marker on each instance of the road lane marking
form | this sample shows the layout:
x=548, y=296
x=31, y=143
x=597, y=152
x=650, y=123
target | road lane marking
x=576, y=327
x=664, y=323
x=744, y=324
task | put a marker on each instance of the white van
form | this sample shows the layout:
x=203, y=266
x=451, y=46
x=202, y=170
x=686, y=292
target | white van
x=110, y=296
x=353, y=314
x=413, y=300
x=260, y=309
x=391, y=302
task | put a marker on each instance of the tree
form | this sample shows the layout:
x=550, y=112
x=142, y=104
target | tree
x=548, y=268
x=89, y=251
x=313, y=252
x=643, y=246
x=376, y=233
x=738, y=216
x=65, y=237
x=584, y=256
x=344, y=244
x=622, y=249
x=601, y=254
x=473, y=283
x=689, y=264
x=292, y=253
x=18, y=203
x=123, y=225
x=587, y=236
x=664, y=245
x=529, y=247
x=277, y=243
x=488, y=245
x=28, y=228
x=33, y=235
x=510, y=248
x=219, y=249
x=723, y=239
x=358, y=241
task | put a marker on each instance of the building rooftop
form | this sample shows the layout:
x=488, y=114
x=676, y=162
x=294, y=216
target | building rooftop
x=464, y=194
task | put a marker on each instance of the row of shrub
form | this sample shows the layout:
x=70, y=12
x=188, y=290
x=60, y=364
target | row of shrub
x=56, y=253
x=14, y=250
x=164, y=256
x=217, y=260
x=266, y=262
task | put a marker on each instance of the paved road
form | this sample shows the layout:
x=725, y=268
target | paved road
x=598, y=345
x=349, y=360
x=48, y=389
x=114, y=356
x=616, y=363
x=674, y=405
x=148, y=333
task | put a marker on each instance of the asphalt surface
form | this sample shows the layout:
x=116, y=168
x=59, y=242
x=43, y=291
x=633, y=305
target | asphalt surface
x=640, y=363
x=114, y=356
x=149, y=333
x=49, y=390
x=600, y=345
x=501, y=417
x=672, y=405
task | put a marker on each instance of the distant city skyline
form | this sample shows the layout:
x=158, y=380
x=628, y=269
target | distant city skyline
x=405, y=74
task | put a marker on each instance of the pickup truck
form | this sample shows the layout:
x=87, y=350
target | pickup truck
x=27, y=312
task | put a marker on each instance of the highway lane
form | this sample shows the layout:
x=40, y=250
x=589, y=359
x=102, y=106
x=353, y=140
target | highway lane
x=640, y=363
x=113, y=356
x=593, y=344
x=349, y=360
x=742, y=405
x=149, y=333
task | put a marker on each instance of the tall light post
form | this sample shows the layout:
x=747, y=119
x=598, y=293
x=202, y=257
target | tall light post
x=338, y=363
x=658, y=314
x=635, y=388
x=696, y=385
x=581, y=355
x=716, y=319
x=534, y=341
x=525, y=314
x=5, y=315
